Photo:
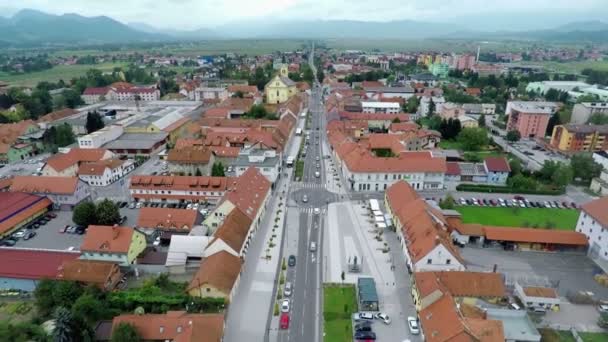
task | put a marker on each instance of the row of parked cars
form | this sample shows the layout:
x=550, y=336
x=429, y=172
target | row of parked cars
x=363, y=328
x=29, y=231
x=517, y=201
x=138, y=205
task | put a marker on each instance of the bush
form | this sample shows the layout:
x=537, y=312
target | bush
x=507, y=189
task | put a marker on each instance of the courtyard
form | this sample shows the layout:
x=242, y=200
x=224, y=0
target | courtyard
x=562, y=219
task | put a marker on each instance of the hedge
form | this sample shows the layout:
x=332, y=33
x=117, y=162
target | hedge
x=508, y=189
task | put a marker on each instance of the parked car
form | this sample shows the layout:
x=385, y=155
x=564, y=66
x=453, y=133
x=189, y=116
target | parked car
x=80, y=230
x=365, y=335
x=123, y=219
x=64, y=229
x=8, y=242
x=363, y=326
x=122, y=204
x=19, y=234
x=285, y=305
x=573, y=205
x=362, y=316
x=132, y=205
x=412, y=324
x=29, y=235
x=519, y=198
x=287, y=289
x=138, y=205
x=383, y=317
x=51, y=215
x=291, y=261
x=602, y=308
x=284, y=321
x=556, y=203
x=156, y=241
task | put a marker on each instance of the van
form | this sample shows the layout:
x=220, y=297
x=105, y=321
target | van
x=313, y=246
x=284, y=321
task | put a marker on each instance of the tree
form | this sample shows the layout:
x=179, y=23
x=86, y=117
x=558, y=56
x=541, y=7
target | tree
x=473, y=139
x=396, y=120
x=515, y=166
x=522, y=182
x=548, y=169
x=431, y=107
x=64, y=135
x=125, y=332
x=238, y=94
x=554, y=120
x=88, y=308
x=71, y=98
x=63, y=331
x=85, y=214
x=447, y=203
x=598, y=119
x=482, y=120
x=198, y=172
x=94, y=122
x=513, y=136
x=412, y=105
x=107, y=213
x=217, y=170
x=562, y=176
x=584, y=167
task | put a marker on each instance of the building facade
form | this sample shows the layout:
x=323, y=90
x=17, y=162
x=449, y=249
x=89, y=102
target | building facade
x=530, y=119
x=580, y=138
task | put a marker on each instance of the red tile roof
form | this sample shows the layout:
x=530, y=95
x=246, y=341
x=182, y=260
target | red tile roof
x=35, y=264
x=497, y=164
x=249, y=192
x=532, y=235
x=98, y=168
x=88, y=271
x=167, y=218
x=598, y=209
x=220, y=270
x=453, y=169
x=107, y=239
x=234, y=230
x=190, y=155
x=45, y=185
x=96, y=91
x=62, y=161
x=15, y=207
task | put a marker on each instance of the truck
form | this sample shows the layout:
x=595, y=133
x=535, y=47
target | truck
x=290, y=161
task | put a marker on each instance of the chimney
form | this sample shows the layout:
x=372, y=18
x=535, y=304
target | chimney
x=115, y=232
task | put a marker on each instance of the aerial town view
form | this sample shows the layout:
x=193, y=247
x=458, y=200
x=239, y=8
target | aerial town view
x=303, y=170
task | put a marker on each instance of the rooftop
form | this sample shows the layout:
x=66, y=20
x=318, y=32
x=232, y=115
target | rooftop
x=167, y=218
x=107, y=239
x=35, y=264
x=15, y=207
x=220, y=270
x=45, y=185
x=598, y=209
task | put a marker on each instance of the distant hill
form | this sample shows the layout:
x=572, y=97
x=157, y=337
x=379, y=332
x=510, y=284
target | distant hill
x=591, y=26
x=30, y=27
x=178, y=34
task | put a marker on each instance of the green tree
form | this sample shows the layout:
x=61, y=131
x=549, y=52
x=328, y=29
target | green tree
x=22, y=331
x=412, y=105
x=88, y=308
x=520, y=181
x=396, y=120
x=598, y=119
x=562, y=176
x=94, y=122
x=482, y=120
x=238, y=94
x=513, y=136
x=64, y=322
x=198, y=172
x=217, y=170
x=256, y=112
x=125, y=332
x=85, y=214
x=431, y=107
x=107, y=213
x=473, y=139
x=548, y=169
x=447, y=203
x=72, y=98
x=515, y=166
x=43, y=297
x=64, y=135
x=584, y=167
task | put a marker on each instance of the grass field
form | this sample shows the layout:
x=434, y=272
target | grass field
x=594, y=337
x=576, y=67
x=455, y=145
x=339, y=303
x=562, y=219
x=550, y=335
x=65, y=72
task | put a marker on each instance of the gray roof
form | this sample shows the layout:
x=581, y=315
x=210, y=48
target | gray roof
x=404, y=89
x=243, y=160
x=136, y=141
x=423, y=77
x=516, y=324
x=288, y=82
x=367, y=290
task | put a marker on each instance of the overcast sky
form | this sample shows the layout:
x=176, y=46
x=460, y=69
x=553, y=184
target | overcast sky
x=189, y=14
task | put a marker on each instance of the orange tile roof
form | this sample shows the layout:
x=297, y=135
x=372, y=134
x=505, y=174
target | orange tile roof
x=226, y=152
x=472, y=284
x=176, y=326
x=220, y=270
x=598, y=209
x=217, y=113
x=404, y=126
x=167, y=218
x=98, y=168
x=88, y=271
x=544, y=292
x=242, y=88
x=45, y=185
x=62, y=161
x=485, y=330
x=190, y=155
x=249, y=192
x=186, y=183
x=11, y=131
x=15, y=207
x=233, y=230
x=361, y=160
x=532, y=235
x=107, y=239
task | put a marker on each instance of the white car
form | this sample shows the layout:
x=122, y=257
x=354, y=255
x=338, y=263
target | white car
x=138, y=205
x=362, y=316
x=316, y=211
x=195, y=206
x=19, y=234
x=412, y=324
x=287, y=290
x=317, y=174
x=156, y=241
x=383, y=317
x=285, y=305
x=189, y=206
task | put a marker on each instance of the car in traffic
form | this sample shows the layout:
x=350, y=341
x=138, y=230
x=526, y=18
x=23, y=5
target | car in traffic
x=284, y=321
x=363, y=316
x=285, y=305
x=412, y=324
x=383, y=317
x=291, y=261
x=317, y=174
x=305, y=199
x=288, y=289
x=316, y=211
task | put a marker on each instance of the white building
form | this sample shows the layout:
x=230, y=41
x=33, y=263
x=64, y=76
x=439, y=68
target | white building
x=207, y=94
x=101, y=137
x=130, y=94
x=266, y=160
x=582, y=112
x=105, y=172
x=425, y=101
x=593, y=222
x=535, y=297
x=381, y=107
x=389, y=92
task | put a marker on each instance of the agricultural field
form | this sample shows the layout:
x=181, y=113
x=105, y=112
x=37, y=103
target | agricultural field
x=576, y=67
x=65, y=72
x=561, y=219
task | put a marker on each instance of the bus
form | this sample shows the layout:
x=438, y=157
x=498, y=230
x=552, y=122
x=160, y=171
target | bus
x=299, y=131
x=290, y=161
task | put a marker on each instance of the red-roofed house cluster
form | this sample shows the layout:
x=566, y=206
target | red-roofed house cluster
x=120, y=91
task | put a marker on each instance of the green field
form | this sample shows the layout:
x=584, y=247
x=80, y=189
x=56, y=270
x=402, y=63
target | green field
x=594, y=337
x=575, y=67
x=562, y=219
x=550, y=335
x=455, y=145
x=64, y=72
x=339, y=303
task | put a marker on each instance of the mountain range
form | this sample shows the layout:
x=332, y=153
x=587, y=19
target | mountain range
x=31, y=27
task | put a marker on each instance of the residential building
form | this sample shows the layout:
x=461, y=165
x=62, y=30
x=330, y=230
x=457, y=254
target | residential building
x=95, y=95
x=67, y=164
x=497, y=170
x=22, y=268
x=599, y=184
x=104, y=275
x=439, y=70
x=379, y=91
x=529, y=118
x=184, y=251
x=191, y=161
x=135, y=93
x=105, y=172
x=14, y=142
x=280, y=88
x=467, y=122
x=121, y=245
x=425, y=78
x=217, y=277
x=425, y=101
x=177, y=326
x=166, y=219
x=465, y=62
x=580, y=138
x=422, y=231
x=381, y=107
x=593, y=222
x=535, y=297
x=210, y=95
x=178, y=189
x=266, y=160
x=100, y=137
x=64, y=192
x=17, y=210
x=246, y=90
x=582, y=112
x=451, y=110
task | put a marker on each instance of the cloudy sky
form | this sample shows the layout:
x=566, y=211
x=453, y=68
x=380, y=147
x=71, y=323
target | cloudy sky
x=190, y=14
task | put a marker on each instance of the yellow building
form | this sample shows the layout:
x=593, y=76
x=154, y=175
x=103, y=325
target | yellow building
x=580, y=138
x=218, y=277
x=280, y=89
x=112, y=243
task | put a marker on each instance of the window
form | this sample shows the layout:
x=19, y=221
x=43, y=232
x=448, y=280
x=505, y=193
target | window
x=448, y=261
x=429, y=261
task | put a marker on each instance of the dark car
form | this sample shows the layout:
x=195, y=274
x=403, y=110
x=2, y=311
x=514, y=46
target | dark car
x=36, y=225
x=365, y=335
x=42, y=222
x=29, y=235
x=486, y=202
x=123, y=204
x=573, y=205
x=8, y=242
x=80, y=230
x=51, y=215
x=363, y=326
x=565, y=205
x=519, y=198
x=291, y=261
x=123, y=219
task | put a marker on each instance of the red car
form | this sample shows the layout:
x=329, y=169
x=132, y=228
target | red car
x=519, y=198
x=573, y=205
x=51, y=215
x=284, y=321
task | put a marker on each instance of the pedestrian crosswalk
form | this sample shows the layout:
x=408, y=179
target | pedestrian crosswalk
x=300, y=185
x=310, y=210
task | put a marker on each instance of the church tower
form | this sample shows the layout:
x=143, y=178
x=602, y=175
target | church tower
x=284, y=72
